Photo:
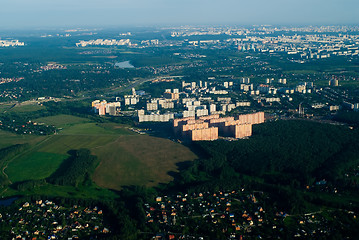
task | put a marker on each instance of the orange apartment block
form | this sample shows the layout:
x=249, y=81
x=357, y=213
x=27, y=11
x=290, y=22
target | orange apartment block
x=220, y=120
x=239, y=131
x=178, y=123
x=190, y=127
x=210, y=127
x=220, y=123
x=209, y=117
x=193, y=121
x=198, y=125
x=205, y=134
x=254, y=118
x=101, y=110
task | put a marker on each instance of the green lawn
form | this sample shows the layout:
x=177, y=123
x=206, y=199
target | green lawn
x=35, y=165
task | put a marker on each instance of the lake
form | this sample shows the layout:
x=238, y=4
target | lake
x=125, y=64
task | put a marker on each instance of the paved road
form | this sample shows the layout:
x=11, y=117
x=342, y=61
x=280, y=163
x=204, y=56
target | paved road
x=130, y=86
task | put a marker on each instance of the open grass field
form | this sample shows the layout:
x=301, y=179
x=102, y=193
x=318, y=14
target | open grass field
x=89, y=128
x=5, y=107
x=126, y=158
x=61, y=144
x=139, y=160
x=20, y=108
x=72, y=125
x=8, y=139
x=26, y=108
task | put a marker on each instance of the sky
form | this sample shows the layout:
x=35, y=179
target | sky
x=102, y=13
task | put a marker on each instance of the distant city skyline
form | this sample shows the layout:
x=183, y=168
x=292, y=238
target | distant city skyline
x=66, y=13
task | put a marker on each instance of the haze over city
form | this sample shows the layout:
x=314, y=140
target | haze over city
x=179, y=119
x=66, y=13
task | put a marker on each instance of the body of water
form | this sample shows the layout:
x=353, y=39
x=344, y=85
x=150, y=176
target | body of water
x=125, y=64
x=7, y=201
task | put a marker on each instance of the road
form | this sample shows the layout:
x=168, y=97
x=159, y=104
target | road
x=130, y=86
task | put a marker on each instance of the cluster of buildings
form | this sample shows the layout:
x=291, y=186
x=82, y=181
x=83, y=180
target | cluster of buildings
x=119, y=42
x=188, y=31
x=7, y=80
x=11, y=43
x=209, y=128
x=22, y=126
x=104, y=42
x=188, y=103
x=166, y=117
x=234, y=213
x=113, y=108
x=47, y=220
x=52, y=66
x=202, y=102
x=238, y=214
x=305, y=43
x=103, y=107
x=308, y=43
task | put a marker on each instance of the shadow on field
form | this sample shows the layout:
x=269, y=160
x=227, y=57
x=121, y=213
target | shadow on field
x=162, y=130
x=64, y=166
x=196, y=148
x=180, y=166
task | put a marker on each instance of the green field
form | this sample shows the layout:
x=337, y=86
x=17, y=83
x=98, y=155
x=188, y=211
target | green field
x=62, y=120
x=35, y=165
x=8, y=138
x=61, y=144
x=92, y=128
x=126, y=158
x=20, y=108
x=5, y=107
x=31, y=107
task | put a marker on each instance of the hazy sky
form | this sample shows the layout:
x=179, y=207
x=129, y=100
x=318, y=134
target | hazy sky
x=66, y=13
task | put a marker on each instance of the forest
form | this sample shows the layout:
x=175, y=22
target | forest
x=289, y=159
